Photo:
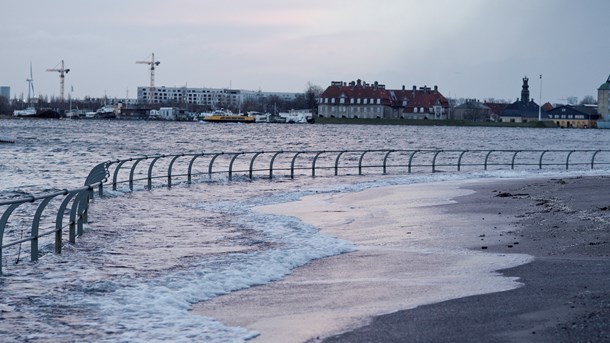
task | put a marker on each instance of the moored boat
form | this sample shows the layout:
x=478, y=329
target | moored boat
x=28, y=112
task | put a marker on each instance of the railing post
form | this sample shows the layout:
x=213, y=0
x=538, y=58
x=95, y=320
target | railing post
x=271, y=164
x=150, y=170
x=252, y=163
x=568, y=159
x=512, y=164
x=540, y=160
x=313, y=164
x=294, y=158
x=133, y=169
x=190, y=168
x=487, y=158
x=337, y=162
x=411, y=159
x=212, y=164
x=59, y=219
x=116, y=173
x=35, y=226
x=169, y=170
x=434, y=161
x=593, y=158
x=231, y=165
x=385, y=161
x=460, y=160
x=3, y=221
x=360, y=162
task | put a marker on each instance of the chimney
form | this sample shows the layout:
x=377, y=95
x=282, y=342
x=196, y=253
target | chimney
x=359, y=82
x=414, y=88
x=435, y=88
x=376, y=84
x=403, y=87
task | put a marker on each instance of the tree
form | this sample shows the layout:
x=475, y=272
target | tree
x=312, y=94
x=588, y=100
x=572, y=100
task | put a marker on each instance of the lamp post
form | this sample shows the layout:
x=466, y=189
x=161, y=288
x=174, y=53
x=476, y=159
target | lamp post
x=540, y=101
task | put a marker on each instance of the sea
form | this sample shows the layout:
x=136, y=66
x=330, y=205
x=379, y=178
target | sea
x=148, y=255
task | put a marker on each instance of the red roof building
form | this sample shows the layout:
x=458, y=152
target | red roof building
x=359, y=99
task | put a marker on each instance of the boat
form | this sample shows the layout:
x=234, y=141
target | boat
x=28, y=112
x=7, y=139
x=226, y=116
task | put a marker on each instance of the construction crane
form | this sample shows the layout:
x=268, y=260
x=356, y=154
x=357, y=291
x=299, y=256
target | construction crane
x=62, y=75
x=152, y=63
x=30, y=82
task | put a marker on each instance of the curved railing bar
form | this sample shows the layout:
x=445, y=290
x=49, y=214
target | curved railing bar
x=252, y=163
x=411, y=159
x=271, y=164
x=133, y=170
x=540, y=160
x=150, y=170
x=337, y=162
x=169, y=170
x=59, y=219
x=593, y=158
x=568, y=159
x=211, y=165
x=116, y=173
x=190, y=168
x=3, y=221
x=512, y=163
x=294, y=158
x=385, y=161
x=360, y=162
x=487, y=157
x=313, y=164
x=36, y=225
x=434, y=160
x=231, y=164
x=460, y=159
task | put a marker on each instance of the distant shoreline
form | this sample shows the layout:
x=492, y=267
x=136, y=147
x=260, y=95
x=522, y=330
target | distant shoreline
x=420, y=122
x=360, y=121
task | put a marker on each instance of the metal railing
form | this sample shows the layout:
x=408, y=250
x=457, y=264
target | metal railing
x=252, y=165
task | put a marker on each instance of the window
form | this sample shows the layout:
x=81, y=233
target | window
x=351, y=101
x=358, y=101
x=332, y=101
x=342, y=101
x=378, y=101
x=365, y=101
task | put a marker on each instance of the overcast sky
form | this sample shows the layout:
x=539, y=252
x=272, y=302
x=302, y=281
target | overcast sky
x=469, y=48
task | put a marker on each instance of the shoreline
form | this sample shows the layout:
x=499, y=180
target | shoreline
x=565, y=224
x=407, y=256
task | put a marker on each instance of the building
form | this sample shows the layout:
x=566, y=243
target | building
x=5, y=91
x=524, y=109
x=472, y=110
x=580, y=116
x=359, y=99
x=212, y=97
x=603, y=101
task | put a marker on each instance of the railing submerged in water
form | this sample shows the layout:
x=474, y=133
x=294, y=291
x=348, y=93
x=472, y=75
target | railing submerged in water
x=74, y=203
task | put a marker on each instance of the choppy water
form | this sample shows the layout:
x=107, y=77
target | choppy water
x=148, y=256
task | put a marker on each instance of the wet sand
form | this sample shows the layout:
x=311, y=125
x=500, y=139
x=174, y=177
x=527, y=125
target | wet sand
x=411, y=251
x=565, y=224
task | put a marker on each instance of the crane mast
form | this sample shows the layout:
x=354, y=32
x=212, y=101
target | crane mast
x=152, y=63
x=62, y=75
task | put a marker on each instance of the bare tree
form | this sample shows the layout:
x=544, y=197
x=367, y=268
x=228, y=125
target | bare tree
x=588, y=100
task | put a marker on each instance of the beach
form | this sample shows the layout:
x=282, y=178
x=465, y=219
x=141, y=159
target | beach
x=485, y=260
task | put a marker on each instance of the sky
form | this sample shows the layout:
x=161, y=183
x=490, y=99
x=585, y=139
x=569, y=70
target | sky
x=468, y=48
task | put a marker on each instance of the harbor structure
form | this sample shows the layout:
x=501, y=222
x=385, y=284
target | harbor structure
x=5, y=91
x=579, y=116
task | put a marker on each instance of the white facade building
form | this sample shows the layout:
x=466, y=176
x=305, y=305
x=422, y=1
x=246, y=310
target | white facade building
x=213, y=97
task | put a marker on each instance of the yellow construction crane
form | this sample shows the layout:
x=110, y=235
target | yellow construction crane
x=62, y=75
x=152, y=63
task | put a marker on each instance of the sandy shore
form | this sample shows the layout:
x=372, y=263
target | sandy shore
x=565, y=224
x=411, y=251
